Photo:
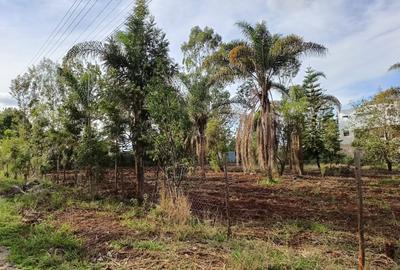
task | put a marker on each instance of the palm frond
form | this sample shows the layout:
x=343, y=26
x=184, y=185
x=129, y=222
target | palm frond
x=395, y=67
x=280, y=88
x=84, y=49
x=247, y=29
x=333, y=101
x=311, y=48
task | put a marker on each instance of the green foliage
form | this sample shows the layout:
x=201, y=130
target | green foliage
x=379, y=134
x=331, y=139
x=171, y=124
x=206, y=97
x=321, y=134
x=217, y=135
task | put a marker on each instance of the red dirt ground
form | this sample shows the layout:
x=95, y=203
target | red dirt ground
x=330, y=200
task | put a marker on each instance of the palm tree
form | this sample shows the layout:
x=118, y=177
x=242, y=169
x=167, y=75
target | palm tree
x=137, y=56
x=395, y=67
x=264, y=58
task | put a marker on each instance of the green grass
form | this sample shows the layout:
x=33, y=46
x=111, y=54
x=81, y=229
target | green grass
x=41, y=246
x=266, y=182
x=255, y=254
x=393, y=181
x=7, y=183
x=152, y=245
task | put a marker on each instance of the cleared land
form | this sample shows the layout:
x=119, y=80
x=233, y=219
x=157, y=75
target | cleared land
x=303, y=223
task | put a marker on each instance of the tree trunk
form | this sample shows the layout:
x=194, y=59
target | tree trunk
x=76, y=177
x=116, y=175
x=389, y=165
x=269, y=136
x=296, y=153
x=139, y=173
x=227, y=209
x=64, y=174
x=7, y=173
x=58, y=170
x=261, y=150
x=318, y=164
x=116, y=167
x=202, y=151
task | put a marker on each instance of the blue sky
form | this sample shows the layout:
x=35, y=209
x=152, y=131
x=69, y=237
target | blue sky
x=363, y=36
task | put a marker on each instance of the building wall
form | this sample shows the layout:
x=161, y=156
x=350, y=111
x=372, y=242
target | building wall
x=346, y=118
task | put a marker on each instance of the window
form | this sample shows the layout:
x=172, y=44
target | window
x=346, y=133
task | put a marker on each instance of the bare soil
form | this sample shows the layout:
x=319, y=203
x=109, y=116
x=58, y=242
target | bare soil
x=258, y=211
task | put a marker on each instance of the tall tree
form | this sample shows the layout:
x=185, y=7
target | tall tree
x=318, y=112
x=138, y=56
x=205, y=95
x=83, y=87
x=264, y=59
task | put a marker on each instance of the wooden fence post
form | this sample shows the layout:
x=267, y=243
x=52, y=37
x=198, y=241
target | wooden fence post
x=361, y=242
x=227, y=210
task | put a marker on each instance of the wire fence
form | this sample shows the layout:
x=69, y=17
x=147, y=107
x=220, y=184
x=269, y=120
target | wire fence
x=207, y=197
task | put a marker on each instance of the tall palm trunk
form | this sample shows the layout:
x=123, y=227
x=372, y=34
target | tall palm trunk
x=268, y=144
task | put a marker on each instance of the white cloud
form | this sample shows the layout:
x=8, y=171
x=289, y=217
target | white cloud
x=362, y=36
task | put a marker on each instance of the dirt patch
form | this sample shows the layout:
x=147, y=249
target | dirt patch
x=4, y=264
x=97, y=229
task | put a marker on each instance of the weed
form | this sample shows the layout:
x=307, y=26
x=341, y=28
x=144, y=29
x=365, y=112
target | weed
x=267, y=182
x=142, y=226
x=249, y=255
x=151, y=245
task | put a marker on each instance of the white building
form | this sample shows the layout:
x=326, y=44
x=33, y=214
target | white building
x=351, y=119
x=346, y=119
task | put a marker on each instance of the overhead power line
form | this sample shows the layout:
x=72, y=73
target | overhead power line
x=64, y=35
x=93, y=21
x=56, y=30
x=122, y=14
x=94, y=32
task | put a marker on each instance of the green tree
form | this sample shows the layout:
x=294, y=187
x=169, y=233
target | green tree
x=205, y=95
x=171, y=126
x=293, y=110
x=138, y=56
x=331, y=138
x=264, y=59
x=83, y=87
x=377, y=130
x=319, y=110
x=14, y=148
x=217, y=139
x=39, y=93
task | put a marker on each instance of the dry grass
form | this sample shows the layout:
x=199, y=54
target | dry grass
x=174, y=206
